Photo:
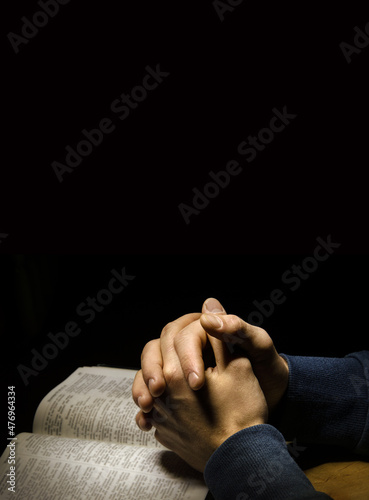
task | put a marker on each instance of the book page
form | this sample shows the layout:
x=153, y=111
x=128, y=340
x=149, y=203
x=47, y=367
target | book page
x=54, y=468
x=93, y=403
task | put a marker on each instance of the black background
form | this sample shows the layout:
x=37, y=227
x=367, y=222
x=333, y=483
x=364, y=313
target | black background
x=225, y=79
x=122, y=201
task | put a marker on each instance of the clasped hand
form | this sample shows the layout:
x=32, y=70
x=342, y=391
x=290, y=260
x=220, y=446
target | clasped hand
x=194, y=407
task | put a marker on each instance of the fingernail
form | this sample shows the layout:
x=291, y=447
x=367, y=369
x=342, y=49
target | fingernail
x=147, y=426
x=138, y=401
x=214, y=321
x=192, y=379
x=151, y=381
x=214, y=306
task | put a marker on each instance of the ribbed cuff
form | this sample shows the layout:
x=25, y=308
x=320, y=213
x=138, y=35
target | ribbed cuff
x=255, y=463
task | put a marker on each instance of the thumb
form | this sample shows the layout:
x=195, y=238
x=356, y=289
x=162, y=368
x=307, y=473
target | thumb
x=213, y=306
x=255, y=341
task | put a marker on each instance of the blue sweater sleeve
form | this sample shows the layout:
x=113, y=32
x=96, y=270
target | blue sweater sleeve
x=327, y=401
x=255, y=463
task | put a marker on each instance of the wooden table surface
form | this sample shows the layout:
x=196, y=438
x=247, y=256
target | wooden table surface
x=341, y=480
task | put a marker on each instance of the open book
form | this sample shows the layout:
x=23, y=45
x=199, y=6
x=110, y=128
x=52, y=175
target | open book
x=86, y=445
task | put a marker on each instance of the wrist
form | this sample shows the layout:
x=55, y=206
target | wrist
x=229, y=432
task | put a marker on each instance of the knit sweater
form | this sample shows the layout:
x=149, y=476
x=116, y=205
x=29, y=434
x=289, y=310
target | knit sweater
x=326, y=402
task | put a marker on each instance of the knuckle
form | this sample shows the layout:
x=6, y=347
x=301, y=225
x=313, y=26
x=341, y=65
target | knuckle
x=260, y=331
x=167, y=329
x=170, y=374
x=265, y=339
x=243, y=363
x=237, y=328
x=233, y=318
x=148, y=347
x=235, y=322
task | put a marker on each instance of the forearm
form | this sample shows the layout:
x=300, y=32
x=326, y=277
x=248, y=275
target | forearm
x=327, y=401
x=255, y=463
